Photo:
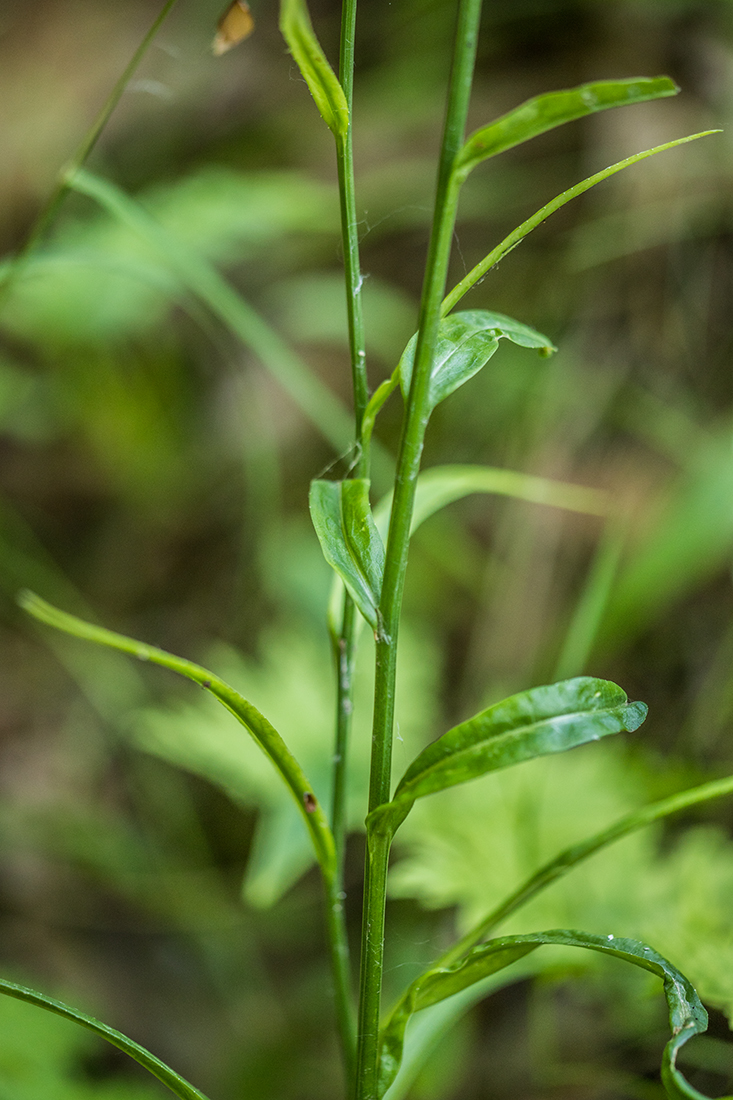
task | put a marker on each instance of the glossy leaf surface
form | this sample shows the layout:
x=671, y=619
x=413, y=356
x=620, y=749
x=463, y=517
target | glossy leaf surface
x=545, y=112
x=350, y=541
x=466, y=341
x=297, y=30
x=687, y=1017
x=255, y=723
x=532, y=723
x=172, y=1080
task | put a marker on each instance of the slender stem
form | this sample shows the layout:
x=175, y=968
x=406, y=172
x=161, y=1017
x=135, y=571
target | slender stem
x=90, y=139
x=345, y=644
x=408, y=466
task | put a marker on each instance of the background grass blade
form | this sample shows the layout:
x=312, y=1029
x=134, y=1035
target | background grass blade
x=202, y=279
x=255, y=723
x=172, y=1080
x=545, y=112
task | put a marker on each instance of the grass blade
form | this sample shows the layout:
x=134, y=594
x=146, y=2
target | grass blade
x=172, y=1080
x=201, y=278
x=255, y=723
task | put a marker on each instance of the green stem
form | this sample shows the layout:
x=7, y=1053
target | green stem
x=345, y=644
x=408, y=466
x=69, y=170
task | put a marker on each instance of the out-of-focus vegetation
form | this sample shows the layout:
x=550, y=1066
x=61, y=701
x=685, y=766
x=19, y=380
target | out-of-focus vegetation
x=155, y=470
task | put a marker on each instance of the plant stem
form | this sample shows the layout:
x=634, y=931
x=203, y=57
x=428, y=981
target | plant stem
x=345, y=644
x=69, y=170
x=408, y=465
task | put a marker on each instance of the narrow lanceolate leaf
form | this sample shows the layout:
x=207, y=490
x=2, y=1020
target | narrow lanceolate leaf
x=545, y=112
x=172, y=1080
x=466, y=341
x=350, y=541
x=297, y=30
x=255, y=723
x=533, y=723
x=687, y=1017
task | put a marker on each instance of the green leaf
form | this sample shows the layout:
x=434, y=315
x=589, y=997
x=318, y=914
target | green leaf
x=172, y=1080
x=517, y=235
x=297, y=30
x=545, y=112
x=533, y=723
x=466, y=341
x=255, y=723
x=687, y=1017
x=350, y=541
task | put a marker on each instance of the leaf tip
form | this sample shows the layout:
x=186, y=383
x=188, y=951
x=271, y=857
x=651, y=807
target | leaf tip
x=634, y=715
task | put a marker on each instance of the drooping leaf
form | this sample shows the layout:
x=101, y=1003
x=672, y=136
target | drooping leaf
x=172, y=1080
x=350, y=541
x=297, y=30
x=537, y=722
x=545, y=112
x=255, y=723
x=466, y=341
x=687, y=1017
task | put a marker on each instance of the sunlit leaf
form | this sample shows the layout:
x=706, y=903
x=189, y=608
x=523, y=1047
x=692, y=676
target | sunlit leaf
x=466, y=341
x=350, y=541
x=172, y=1080
x=297, y=30
x=255, y=723
x=545, y=112
x=687, y=1017
x=533, y=723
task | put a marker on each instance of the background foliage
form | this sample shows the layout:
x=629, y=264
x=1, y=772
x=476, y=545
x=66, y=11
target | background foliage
x=153, y=470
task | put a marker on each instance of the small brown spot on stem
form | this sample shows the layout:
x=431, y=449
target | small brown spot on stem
x=310, y=803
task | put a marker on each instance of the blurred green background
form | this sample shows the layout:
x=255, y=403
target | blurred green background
x=154, y=473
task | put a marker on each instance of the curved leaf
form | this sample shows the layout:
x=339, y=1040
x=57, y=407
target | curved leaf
x=297, y=30
x=350, y=541
x=466, y=341
x=533, y=723
x=255, y=723
x=545, y=112
x=172, y=1080
x=687, y=1017
x=517, y=235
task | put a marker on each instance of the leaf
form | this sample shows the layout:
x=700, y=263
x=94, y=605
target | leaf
x=349, y=539
x=545, y=112
x=533, y=723
x=466, y=341
x=517, y=235
x=255, y=723
x=297, y=30
x=687, y=1017
x=164, y=1073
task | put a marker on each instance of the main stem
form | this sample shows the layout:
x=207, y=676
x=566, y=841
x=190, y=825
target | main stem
x=408, y=465
x=345, y=644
